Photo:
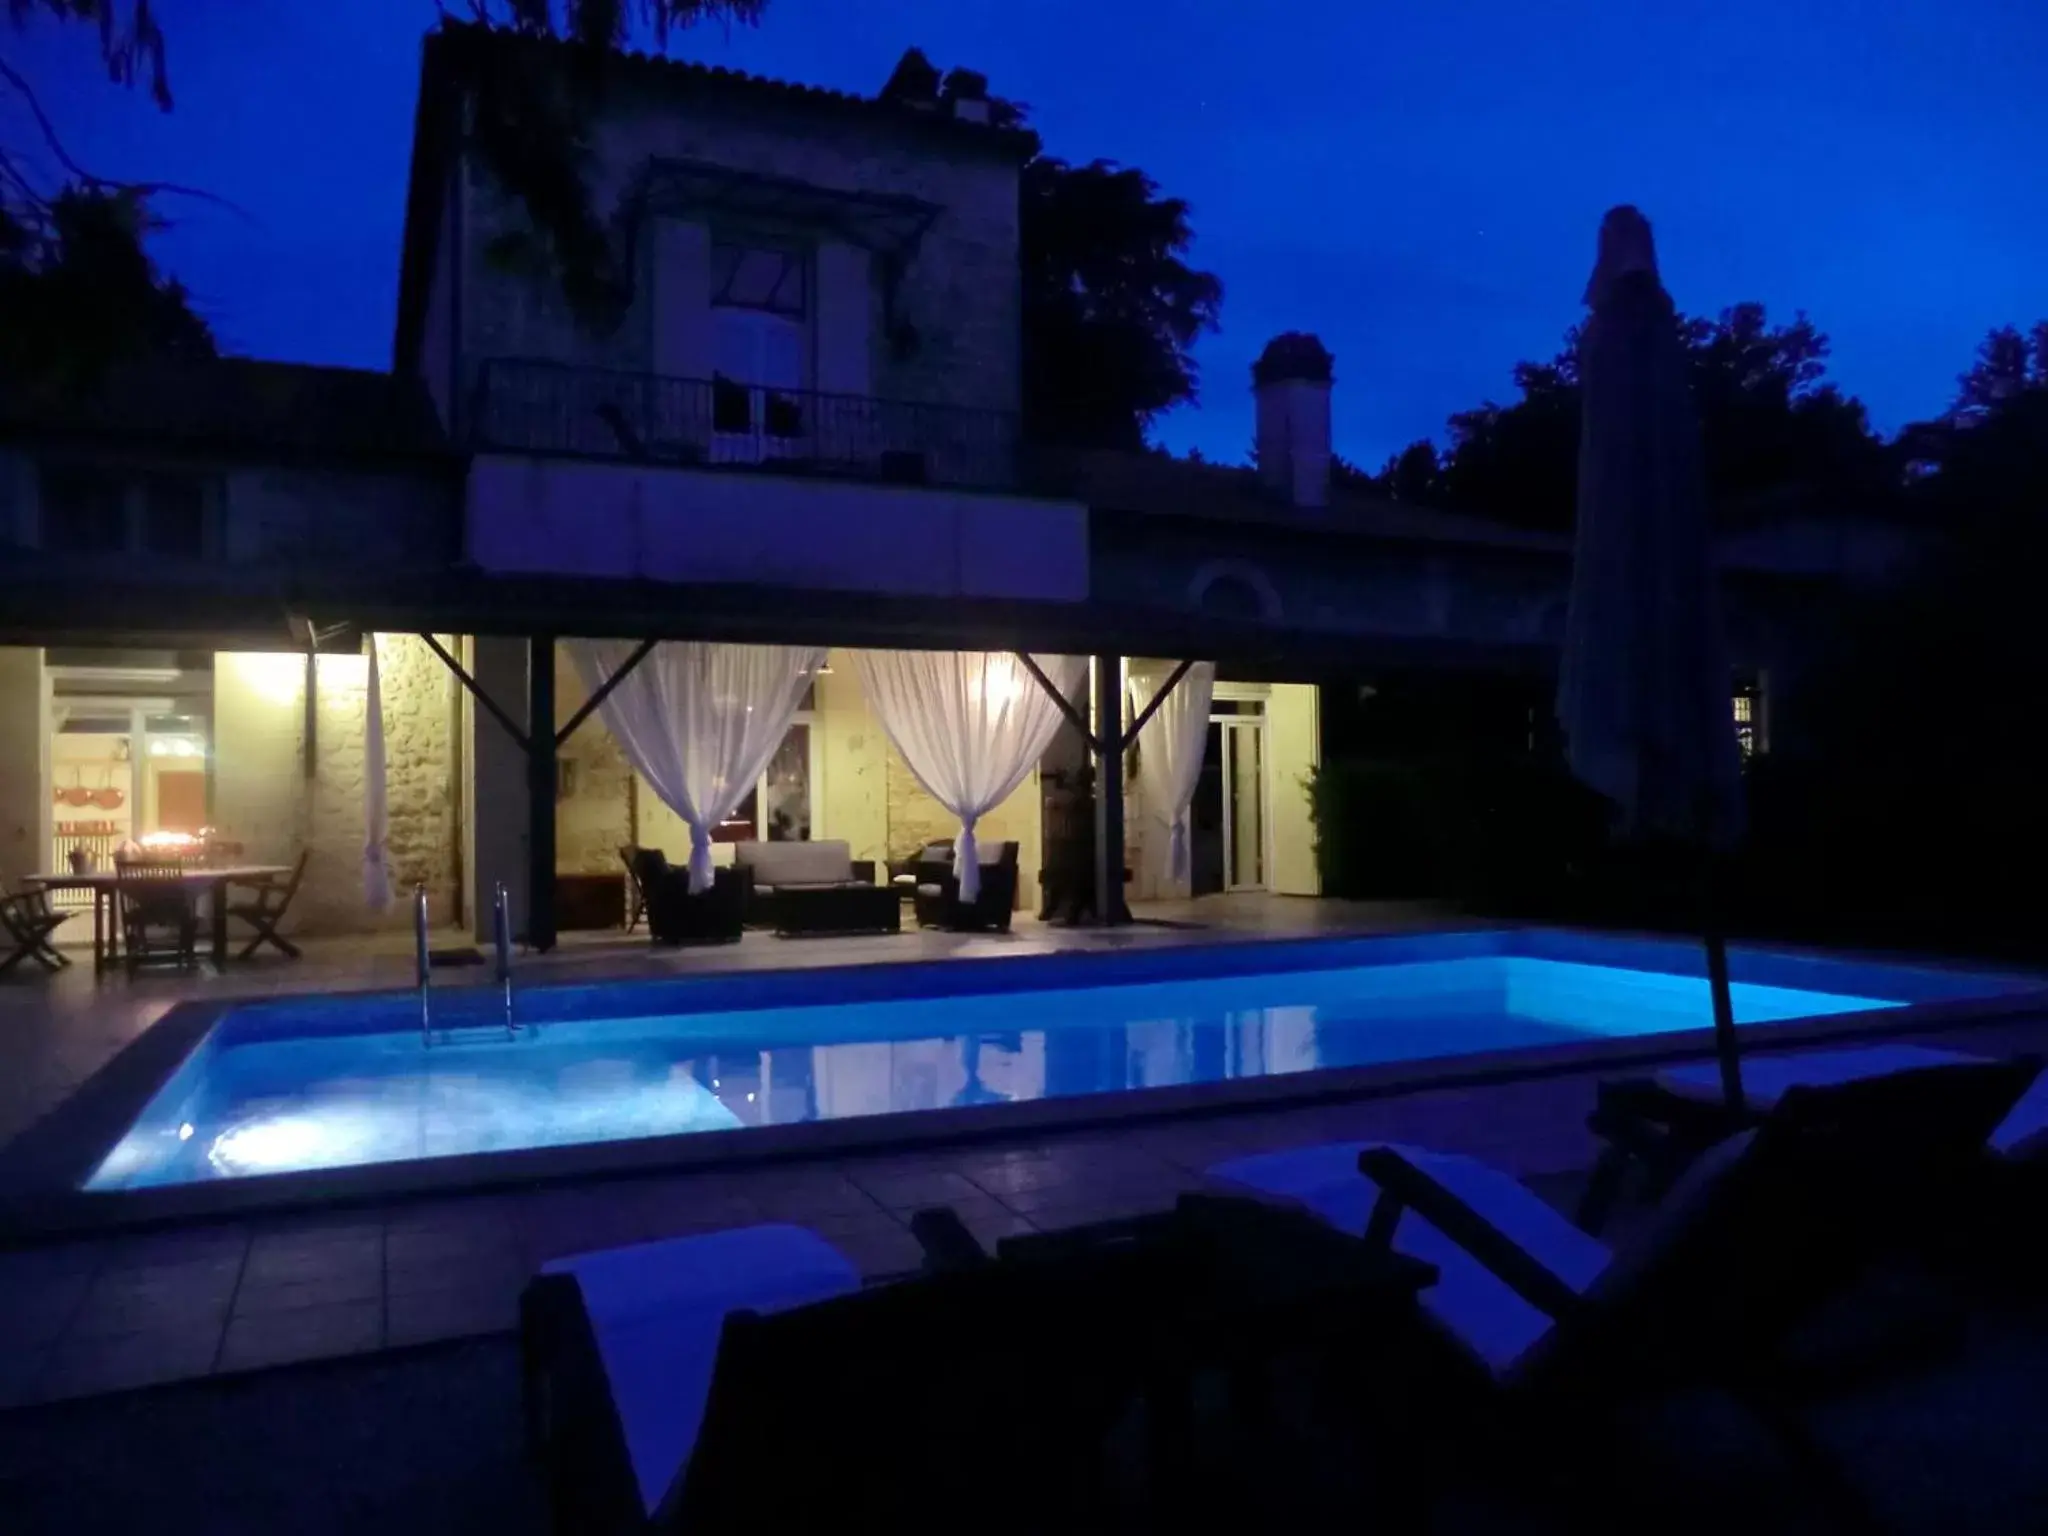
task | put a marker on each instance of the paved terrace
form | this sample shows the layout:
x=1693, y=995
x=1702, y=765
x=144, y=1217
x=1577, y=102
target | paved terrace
x=107, y=1314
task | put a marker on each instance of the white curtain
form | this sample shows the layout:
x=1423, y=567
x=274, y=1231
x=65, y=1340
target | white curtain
x=376, y=799
x=970, y=724
x=699, y=721
x=1170, y=748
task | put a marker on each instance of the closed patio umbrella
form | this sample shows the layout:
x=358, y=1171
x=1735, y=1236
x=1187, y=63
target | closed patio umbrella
x=1644, y=695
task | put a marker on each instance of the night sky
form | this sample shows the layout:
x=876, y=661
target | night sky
x=1417, y=182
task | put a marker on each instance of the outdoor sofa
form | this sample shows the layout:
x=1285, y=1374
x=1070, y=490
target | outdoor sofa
x=814, y=887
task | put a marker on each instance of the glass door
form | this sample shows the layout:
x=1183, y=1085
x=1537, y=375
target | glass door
x=1244, y=801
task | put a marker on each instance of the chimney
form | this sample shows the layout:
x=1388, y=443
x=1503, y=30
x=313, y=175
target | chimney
x=1291, y=385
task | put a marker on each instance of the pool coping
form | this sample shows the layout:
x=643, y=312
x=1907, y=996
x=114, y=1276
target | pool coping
x=41, y=1169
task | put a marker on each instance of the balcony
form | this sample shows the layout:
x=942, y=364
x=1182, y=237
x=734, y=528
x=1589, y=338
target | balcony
x=547, y=408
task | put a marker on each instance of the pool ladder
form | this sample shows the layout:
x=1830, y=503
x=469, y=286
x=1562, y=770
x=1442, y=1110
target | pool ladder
x=501, y=943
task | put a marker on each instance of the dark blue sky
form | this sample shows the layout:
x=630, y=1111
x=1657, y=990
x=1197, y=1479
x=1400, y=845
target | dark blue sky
x=1419, y=183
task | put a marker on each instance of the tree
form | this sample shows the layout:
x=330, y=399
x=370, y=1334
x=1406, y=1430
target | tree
x=1983, y=467
x=77, y=285
x=1111, y=308
x=1770, y=423
x=2009, y=363
x=530, y=119
x=81, y=294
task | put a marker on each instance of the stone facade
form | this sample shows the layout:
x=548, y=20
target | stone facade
x=952, y=334
x=594, y=813
x=24, y=776
x=264, y=799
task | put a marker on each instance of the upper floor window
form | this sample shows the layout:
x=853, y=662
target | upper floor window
x=88, y=509
x=760, y=327
x=758, y=277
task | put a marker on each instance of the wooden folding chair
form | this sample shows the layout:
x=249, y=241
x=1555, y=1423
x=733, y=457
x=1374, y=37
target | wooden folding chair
x=28, y=921
x=159, y=919
x=272, y=899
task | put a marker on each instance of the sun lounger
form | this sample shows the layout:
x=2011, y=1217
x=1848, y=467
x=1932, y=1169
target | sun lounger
x=1760, y=1232
x=748, y=1380
x=1659, y=1125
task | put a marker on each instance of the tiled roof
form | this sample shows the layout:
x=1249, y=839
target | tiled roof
x=1155, y=484
x=239, y=404
x=452, y=36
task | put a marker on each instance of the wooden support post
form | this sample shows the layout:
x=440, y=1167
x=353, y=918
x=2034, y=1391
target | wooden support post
x=1109, y=792
x=540, y=792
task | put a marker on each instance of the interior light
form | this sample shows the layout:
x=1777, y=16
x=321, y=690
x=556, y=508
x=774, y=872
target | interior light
x=183, y=748
x=158, y=748
x=750, y=1098
x=185, y=1131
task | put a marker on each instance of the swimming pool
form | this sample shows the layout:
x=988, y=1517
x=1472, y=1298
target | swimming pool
x=290, y=1086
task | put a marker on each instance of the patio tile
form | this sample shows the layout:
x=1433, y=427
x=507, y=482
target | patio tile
x=184, y=1245
x=33, y=1312
x=1111, y=1207
x=349, y=1285
x=415, y=1247
x=286, y=1258
x=495, y=1267
x=84, y=1367
x=423, y=1316
x=19, y=1369
x=807, y=1197
x=305, y=1333
x=181, y=1303
x=906, y=1190
x=880, y=1248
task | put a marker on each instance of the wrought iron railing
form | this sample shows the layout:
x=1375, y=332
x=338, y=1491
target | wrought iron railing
x=523, y=406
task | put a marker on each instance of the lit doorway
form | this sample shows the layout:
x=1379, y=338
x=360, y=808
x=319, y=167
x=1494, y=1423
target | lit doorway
x=1227, y=822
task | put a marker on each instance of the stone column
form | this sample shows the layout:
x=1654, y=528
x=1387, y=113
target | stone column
x=24, y=754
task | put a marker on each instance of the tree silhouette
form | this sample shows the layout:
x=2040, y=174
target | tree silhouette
x=1771, y=424
x=77, y=286
x=82, y=295
x=1111, y=308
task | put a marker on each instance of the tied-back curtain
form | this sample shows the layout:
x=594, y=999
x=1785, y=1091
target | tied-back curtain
x=1170, y=748
x=970, y=724
x=699, y=721
x=376, y=797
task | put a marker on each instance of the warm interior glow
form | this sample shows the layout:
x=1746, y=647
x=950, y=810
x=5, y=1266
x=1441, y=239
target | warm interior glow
x=276, y=677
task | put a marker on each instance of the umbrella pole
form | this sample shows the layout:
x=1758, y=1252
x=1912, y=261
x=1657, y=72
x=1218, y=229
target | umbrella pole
x=1726, y=1049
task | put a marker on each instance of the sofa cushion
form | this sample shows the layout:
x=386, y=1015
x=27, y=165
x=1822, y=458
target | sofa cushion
x=828, y=862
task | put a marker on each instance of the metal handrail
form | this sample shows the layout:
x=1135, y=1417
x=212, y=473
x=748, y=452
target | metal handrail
x=423, y=964
x=540, y=406
x=501, y=937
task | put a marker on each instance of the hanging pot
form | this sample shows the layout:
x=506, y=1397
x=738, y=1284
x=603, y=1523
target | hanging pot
x=76, y=793
x=108, y=798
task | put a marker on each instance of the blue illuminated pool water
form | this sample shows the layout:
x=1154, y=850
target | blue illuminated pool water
x=290, y=1086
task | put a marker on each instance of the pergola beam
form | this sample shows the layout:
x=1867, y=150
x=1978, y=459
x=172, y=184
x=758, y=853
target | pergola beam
x=491, y=706
x=604, y=691
x=1172, y=681
x=1066, y=705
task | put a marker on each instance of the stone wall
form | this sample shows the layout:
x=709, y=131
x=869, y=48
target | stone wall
x=594, y=811
x=24, y=746
x=960, y=294
x=264, y=799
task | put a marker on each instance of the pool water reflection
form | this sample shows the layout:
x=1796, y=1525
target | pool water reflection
x=245, y=1106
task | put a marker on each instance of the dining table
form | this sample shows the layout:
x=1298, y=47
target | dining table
x=209, y=882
